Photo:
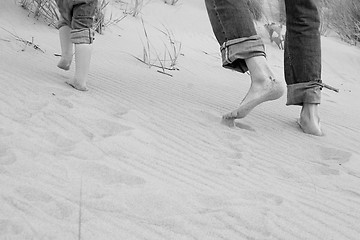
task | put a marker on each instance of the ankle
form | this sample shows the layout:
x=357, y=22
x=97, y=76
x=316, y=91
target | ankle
x=309, y=119
x=310, y=111
x=259, y=69
x=67, y=56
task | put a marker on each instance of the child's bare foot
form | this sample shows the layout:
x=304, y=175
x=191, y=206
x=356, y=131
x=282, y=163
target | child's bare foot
x=64, y=63
x=309, y=120
x=259, y=92
x=78, y=86
x=66, y=48
x=82, y=64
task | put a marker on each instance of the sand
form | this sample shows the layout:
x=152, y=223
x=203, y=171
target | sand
x=143, y=155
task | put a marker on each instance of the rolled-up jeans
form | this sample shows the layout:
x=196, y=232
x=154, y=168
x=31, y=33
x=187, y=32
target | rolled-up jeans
x=79, y=16
x=235, y=31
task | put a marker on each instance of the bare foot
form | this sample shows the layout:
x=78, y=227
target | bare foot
x=78, y=86
x=64, y=63
x=309, y=120
x=229, y=122
x=267, y=90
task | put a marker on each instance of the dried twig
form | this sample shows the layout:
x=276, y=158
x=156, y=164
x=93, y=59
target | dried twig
x=5, y=40
x=153, y=65
x=329, y=87
x=171, y=2
x=26, y=42
x=80, y=209
x=146, y=50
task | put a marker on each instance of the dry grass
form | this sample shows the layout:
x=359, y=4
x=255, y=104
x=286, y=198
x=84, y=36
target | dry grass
x=137, y=6
x=171, y=2
x=45, y=9
x=343, y=17
x=131, y=7
x=99, y=24
x=173, y=48
x=170, y=52
x=23, y=41
x=100, y=21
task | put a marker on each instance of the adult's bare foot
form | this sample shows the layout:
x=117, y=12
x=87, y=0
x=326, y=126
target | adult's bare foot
x=264, y=87
x=309, y=120
x=260, y=91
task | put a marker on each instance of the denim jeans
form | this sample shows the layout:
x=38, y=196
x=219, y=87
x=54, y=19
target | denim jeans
x=79, y=16
x=234, y=29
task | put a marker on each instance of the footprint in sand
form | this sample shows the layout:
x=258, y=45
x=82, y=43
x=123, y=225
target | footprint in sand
x=341, y=160
x=109, y=128
x=60, y=92
x=244, y=126
x=233, y=123
x=36, y=106
x=109, y=175
x=332, y=155
x=331, y=159
x=251, y=197
x=207, y=116
x=62, y=142
x=263, y=197
x=5, y=133
x=118, y=111
x=323, y=170
x=7, y=156
x=14, y=230
x=214, y=118
x=134, y=116
x=45, y=202
x=158, y=204
x=65, y=103
x=21, y=115
x=3, y=170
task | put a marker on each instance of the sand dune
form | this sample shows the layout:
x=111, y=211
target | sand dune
x=143, y=155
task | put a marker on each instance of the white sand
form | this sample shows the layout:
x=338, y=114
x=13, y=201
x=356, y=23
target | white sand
x=147, y=151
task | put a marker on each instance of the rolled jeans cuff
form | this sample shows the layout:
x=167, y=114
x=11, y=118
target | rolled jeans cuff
x=235, y=51
x=61, y=23
x=307, y=92
x=82, y=36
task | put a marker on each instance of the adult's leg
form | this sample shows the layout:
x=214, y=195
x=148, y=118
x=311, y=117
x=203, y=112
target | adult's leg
x=243, y=50
x=302, y=62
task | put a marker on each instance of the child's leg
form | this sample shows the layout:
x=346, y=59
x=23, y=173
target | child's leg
x=82, y=61
x=66, y=48
x=82, y=36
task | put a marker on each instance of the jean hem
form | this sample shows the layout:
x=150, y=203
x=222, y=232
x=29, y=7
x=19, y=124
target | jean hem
x=235, y=51
x=82, y=36
x=307, y=92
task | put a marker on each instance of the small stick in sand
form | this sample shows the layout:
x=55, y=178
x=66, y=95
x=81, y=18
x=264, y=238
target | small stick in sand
x=80, y=210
